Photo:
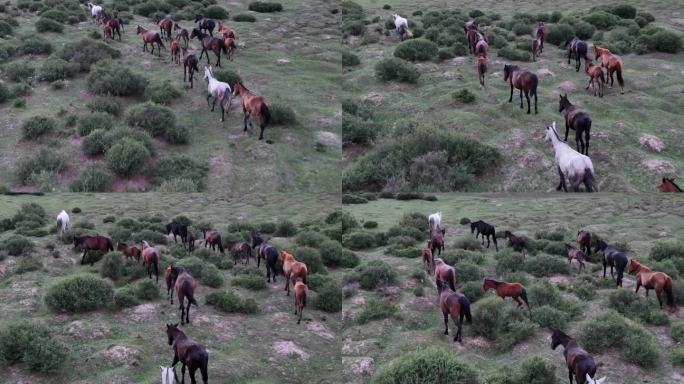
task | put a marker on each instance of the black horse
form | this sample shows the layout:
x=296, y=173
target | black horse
x=579, y=48
x=577, y=120
x=177, y=229
x=205, y=24
x=484, y=229
x=269, y=253
x=613, y=258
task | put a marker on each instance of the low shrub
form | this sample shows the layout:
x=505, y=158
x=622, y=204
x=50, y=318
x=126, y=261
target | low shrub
x=373, y=274
x=179, y=167
x=177, y=134
x=584, y=30
x=162, y=92
x=19, y=71
x=349, y=259
x=37, y=126
x=514, y=54
x=35, y=45
x=553, y=235
x=416, y=50
x=33, y=344
x=92, y=121
x=376, y=309
x=86, y=52
x=332, y=253
x=251, y=282
x=244, y=17
x=504, y=324
x=265, y=7
x=48, y=25
x=601, y=19
x=108, y=78
x=636, y=307
x=312, y=258
x=521, y=29
x=396, y=69
x=349, y=59
x=146, y=290
x=46, y=160
x=329, y=298
x=228, y=76
x=464, y=96
x=54, y=68
x=28, y=264
x=79, y=293
x=285, y=228
x=545, y=265
x=535, y=370
x=282, y=114
x=625, y=11
x=353, y=28
x=216, y=12
x=550, y=317
x=426, y=365
x=105, y=104
x=558, y=33
x=112, y=265
x=151, y=117
x=127, y=157
x=472, y=290
x=125, y=297
x=359, y=240
x=677, y=331
x=509, y=261
x=355, y=136
x=230, y=302
x=93, y=178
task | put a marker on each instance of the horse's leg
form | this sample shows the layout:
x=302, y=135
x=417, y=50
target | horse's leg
x=638, y=285
x=213, y=105
x=658, y=296
x=218, y=60
x=604, y=270
x=586, y=138
x=521, y=98
x=560, y=183
x=208, y=105
x=192, y=375
x=187, y=313
x=570, y=374
x=458, y=330
x=569, y=55
x=527, y=96
x=245, y=119
x=84, y=255
x=183, y=374
x=578, y=140
x=510, y=99
x=446, y=323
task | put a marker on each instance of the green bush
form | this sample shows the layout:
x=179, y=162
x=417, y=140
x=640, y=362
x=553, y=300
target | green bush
x=5, y=29
x=55, y=68
x=86, y=52
x=244, y=17
x=230, y=302
x=636, y=307
x=514, y=54
x=312, y=258
x=93, y=178
x=36, y=126
x=79, y=293
x=179, y=167
x=373, y=274
x=146, y=290
x=282, y=114
x=332, y=253
x=317, y=281
x=228, y=76
x=349, y=59
x=151, y=117
x=112, y=265
x=215, y=12
x=353, y=27
x=416, y=50
x=625, y=11
x=162, y=92
x=558, y=33
x=463, y=96
x=329, y=298
x=56, y=15
x=265, y=7
x=535, y=370
x=521, y=29
x=48, y=25
x=252, y=282
x=509, y=261
x=125, y=297
x=33, y=344
x=676, y=355
x=545, y=265
x=550, y=317
x=95, y=143
x=19, y=70
x=349, y=259
x=127, y=157
x=426, y=365
x=105, y=104
x=4, y=93
x=177, y=134
x=677, y=331
x=666, y=41
x=28, y=264
x=108, y=78
x=285, y=228
x=472, y=290
x=553, y=235
x=584, y=30
x=349, y=198
x=47, y=160
x=396, y=69
x=359, y=240
x=376, y=309
x=92, y=121
x=504, y=324
x=469, y=272
x=601, y=19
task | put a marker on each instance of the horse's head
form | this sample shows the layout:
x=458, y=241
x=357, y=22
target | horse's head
x=508, y=71
x=568, y=40
x=598, y=51
x=592, y=381
x=139, y=29
x=600, y=245
x=256, y=240
x=551, y=132
x=472, y=227
x=171, y=331
x=207, y=72
x=487, y=284
x=195, y=33
x=198, y=18
x=633, y=266
x=507, y=234
x=237, y=89
x=557, y=337
x=563, y=103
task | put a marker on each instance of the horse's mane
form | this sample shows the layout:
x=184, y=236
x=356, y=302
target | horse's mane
x=495, y=282
x=671, y=181
x=243, y=86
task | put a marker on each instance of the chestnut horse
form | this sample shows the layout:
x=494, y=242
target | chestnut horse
x=181, y=33
x=253, y=105
x=165, y=26
x=189, y=352
x=93, y=243
x=613, y=63
x=444, y=272
x=300, y=292
x=225, y=31
x=214, y=44
x=523, y=80
x=579, y=48
x=175, y=51
x=575, y=253
x=577, y=120
x=504, y=289
x=518, y=243
x=595, y=72
x=150, y=256
x=190, y=62
x=212, y=238
x=230, y=47
x=579, y=362
x=114, y=24
x=537, y=45
x=482, y=69
x=456, y=305
x=240, y=250
x=150, y=37
x=170, y=276
x=649, y=279
x=185, y=286
x=427, y=257
x=613, y=258
x=668, y=185
x=472, y=36
x=130, y=251
x=482, y=45
x=584, y=239
x=292, y=269
x=437, y=241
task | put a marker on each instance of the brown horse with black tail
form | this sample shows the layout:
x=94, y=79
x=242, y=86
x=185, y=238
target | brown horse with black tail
x=613, y=63
x=253, y=105
x=481, y=69
x=579, y=362
x=293, y=270
x=518, y=243
x=165, y=26
x=189, y=353
x=595, y=73
x=456, y=305
x=504, y=289
x=114, y=24
x=208, y=42
x=300, y=292
x=668, y=185
x=576, y=254
x=185, y=287
x=523, y=80
x=577, y=120
x=150, y=37
x=190, y=62
x=212, y=238
x=130, y=251
x=444, y=272
x=584, y=239
x=240, y=250
x=150, y=256
x=437, y=241
x=482, y=45
x=659, y=281
x=93, y=243
x=205, y=24
x=427, y=257
x=541, y=34
x=175, y=51
x=181, y=34
x=537, y=45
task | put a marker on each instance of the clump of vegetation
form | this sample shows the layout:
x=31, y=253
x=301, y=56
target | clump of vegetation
x=329, y=297
x=151, y=117
x=514, y=54
x=228, y=76
x=86, y=52
x=146, y=290
x=426, y=365
x=162, y=92
x=545, y=265
x=504, y=324
x=33, y=344
x=28, y=264
x=19, y=70
x=55, y=68
x=282, y=114
x=37, y=126
x=252, y=282
x=216, y=12
x=373, y=274
x=93, y=178
x=125, y=297
x=265, y=7
x=112, y=265
x=375, y=309
x=464, y=96
x=416, y=50
x=17, y=245
x=230, y=302
x=396, y=69
x=179, y=167
x=108, y=78
x=358, y=240
x=244, y=18
x=636, y=307
x=46, y=161
x=127, y=157
x=79, y=293
x=349, y=59
x=285, y=228
x=48, y=25
x=92, y=121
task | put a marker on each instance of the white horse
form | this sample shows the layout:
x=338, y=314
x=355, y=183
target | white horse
x=574, y=166
x=95, y=11
x=401, y=26
x=168, y=375
x=435, y=221
x=216, y=89
x=62, y=222
x=592, y=381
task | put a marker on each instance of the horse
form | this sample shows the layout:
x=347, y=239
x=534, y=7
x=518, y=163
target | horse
x=444, y=272
x=240, y=249
x=253, y=105
x=300, y=292
x=668, y=185
x=95, y=11
x=170, y=275
x=230, y=47
x=215, y=44
x=482, y=45
x=190, y=62
x=130, y=251
x=484, y=229
x=168, y=375
x=472, y=37
x=114, y=24
x=292, y=269
x=481, y=69
x=216, y=89
x=269, y=253
x=212, y=238
x=518, y=243
x=579, y=362
x=165, y=26
x=537, y=45
x=205, y=24
x=185, y=286
x=584, y=240
x=401, y=27
x=63, y=222
x=649, y=279
x=107, y=32
x=577, y=120
x=595, y=73
x=93, y=243
x=437, y=241
x=613, y=64
x=189, y=352
x=574, y=166
x=181, y=33
x=427, y=257
x=504, y=289
x=191, y=241
x=613, y=258
x=540, y=33
x=175, y=51
x=456, y=305
x=177, y=229
x=150, y=256
x=579, y=48
x=575, y=253
x=150, y=37
x=470, y=25
x=225, y=31
x=435, y=220
x=523, y=80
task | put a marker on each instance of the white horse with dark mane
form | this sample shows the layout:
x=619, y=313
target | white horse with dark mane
x=62, y=222
x=96, y=11
x=435, y=221
x=401, y=26
x=216, y=89
x=572, y=165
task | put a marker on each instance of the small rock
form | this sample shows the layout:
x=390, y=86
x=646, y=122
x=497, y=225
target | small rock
x=652, y=142
x=283, y=61
x=661, y=167
x=545, y=72
x=375, y=98
x=288, y=348
x=123, y=355
x=329, y=138
x=358, y=366
x=567, y=86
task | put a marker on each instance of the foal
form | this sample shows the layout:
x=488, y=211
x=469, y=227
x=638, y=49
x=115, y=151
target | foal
x=427, y=257
x=613, y=258
x=300, y=291
x=150, y=256
x=537, y=48
x=579, y=362
x=574, y=253
x=189, y=352
x=482, y=69
x=175, y=51
x=595, y=72
x=444, y=272
x=577, y=120
x=456, y=305
x=181, y=33
x=190, y=65
x=212, y=238
x=517, y=242
x=484, y=229
x=523, y=80
x=130, y=251
x=584, y=241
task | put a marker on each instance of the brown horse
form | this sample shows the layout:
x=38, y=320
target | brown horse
x=575, y=253
x=225, y=31
x=113, y=24
x=190, y=62
x=577, y=120
x=150, y=256
x=668, y=185
x=427, y=257
x=292, y=269
x=165, y=26
x=504, y=289
x=523, y=80
x=541, y=34
x=181, y=33
x=595, y=73
x=230, y=47
x=518, y=243
x=170, y=278
x=613, y=64
x=472, y=36
x=240, y=250
x=536, y=48
x=175, y=51
x=482, y=45
x=130, y=251
x=444, y=272
x=150, y=37
x=107, y=32
x=212, y=238
x=649, y=279
x=300, y=291
x=191, y=241
x=253, y=105
x=214, y=44
x=185, y=287
x=189, y=352
x=456, y=305
x=93, y=243
x=579, y=362
x=481, y=69
x=437, y=241
x=584, y=239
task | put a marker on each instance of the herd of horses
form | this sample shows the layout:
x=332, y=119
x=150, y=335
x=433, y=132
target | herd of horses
x=181, y=52
x=455, y=304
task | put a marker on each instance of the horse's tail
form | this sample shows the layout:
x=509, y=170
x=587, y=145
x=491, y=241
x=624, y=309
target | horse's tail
x=265, y=114
x=204, y=369
x=159, y=40
x=452, y=280
x=619, y=76
x=589, y=180
x=187, y=289
x=110, y=247
x=669, y=294
x=220, y=245
x=523, y=295
x=465, y=308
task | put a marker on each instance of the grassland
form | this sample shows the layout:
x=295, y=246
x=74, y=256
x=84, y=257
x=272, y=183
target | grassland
x=649, y=106
x=264, y=347
x=637, y=222
x=304, y=155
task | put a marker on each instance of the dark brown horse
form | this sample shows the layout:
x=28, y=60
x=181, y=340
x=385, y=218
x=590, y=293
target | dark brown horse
x=240, y=250
x=269, y=253
x=253, y=105
x=579, y=362
x=577, y=120
x=190, y=62
x=214, y=44
x=150, y=256
x=181, y=33
x=540, y=34
x=668, y=185
x=205, y=24
x=482, y=45
x=114, y=24
x=523, y=80
x=437, y=241
x=130, y=251
x=212, y=238
x=93, y=243
x=575, y=253
x=165, y=26
x=185, y=287
x=584, y=239
x=150, y=37
x=536, y=48
x=456, y=305
x=614, y=258
x=427, y=257
x=481, y=69
x=658, y=281
x=472, y=36
x=170, y=276
x=504, y=289
x=518, y=243
x=579, y=48
x=189, y=352
x=445, y=273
